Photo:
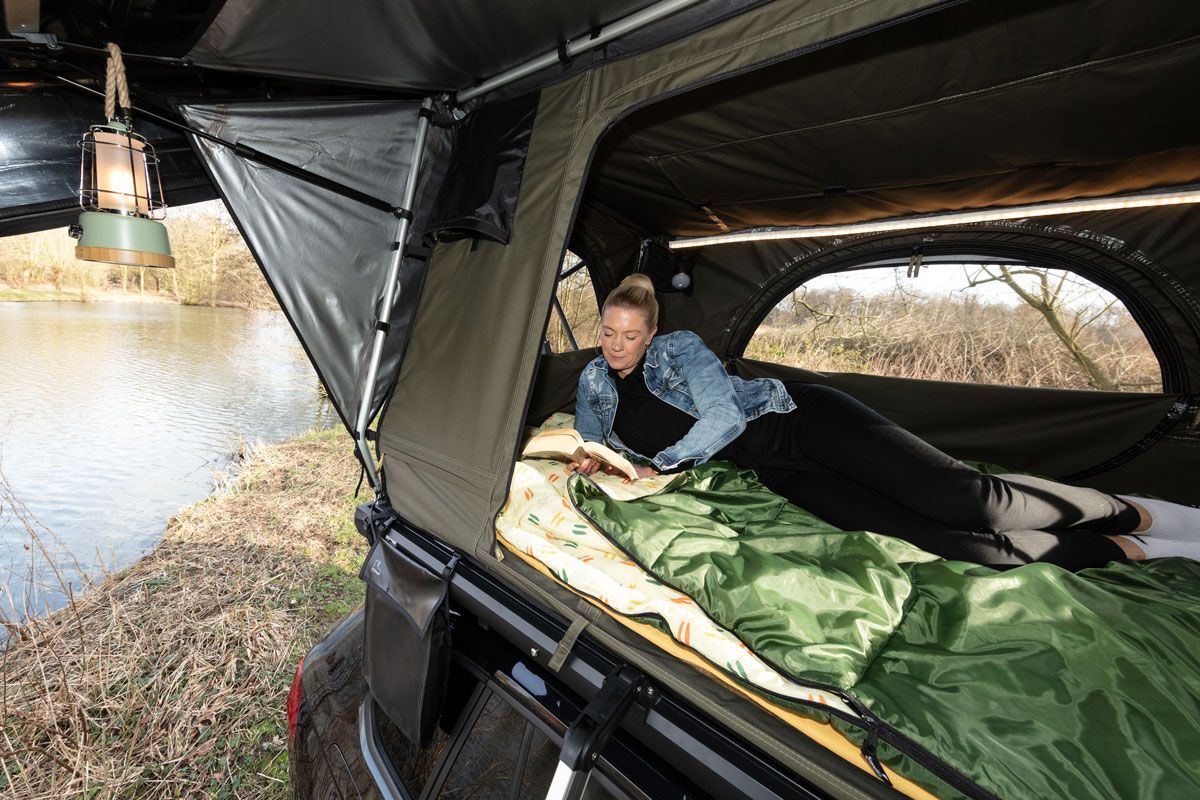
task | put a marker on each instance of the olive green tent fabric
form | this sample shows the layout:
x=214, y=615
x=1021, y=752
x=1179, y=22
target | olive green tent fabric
x=1033, y=682
x=450, y=432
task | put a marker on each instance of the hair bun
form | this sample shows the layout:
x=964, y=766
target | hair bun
x=635, y=292
x=639, y=279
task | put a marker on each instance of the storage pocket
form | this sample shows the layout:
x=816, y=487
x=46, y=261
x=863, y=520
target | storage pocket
x=478, y=196
x=406, y=638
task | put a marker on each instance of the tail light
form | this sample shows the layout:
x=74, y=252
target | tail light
x=293, y=703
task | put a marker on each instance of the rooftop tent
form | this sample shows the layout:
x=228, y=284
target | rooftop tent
x=705, y=121
x=964, y=97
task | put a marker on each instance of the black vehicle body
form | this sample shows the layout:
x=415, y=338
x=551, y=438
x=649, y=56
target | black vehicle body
x=412, y=216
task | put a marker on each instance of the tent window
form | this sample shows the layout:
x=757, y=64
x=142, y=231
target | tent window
x=575, y=322
x=1011, y=323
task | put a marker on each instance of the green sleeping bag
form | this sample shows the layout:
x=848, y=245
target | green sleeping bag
x=1034, y=682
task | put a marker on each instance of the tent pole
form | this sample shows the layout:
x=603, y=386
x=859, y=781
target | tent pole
x=389, y=297
x=577, y=46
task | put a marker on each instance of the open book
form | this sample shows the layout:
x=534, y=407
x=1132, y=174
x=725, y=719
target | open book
x=565, y=444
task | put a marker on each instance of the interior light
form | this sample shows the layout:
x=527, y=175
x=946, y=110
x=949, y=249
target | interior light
x=119, y=188
x=681, y=280
x=1178, y=196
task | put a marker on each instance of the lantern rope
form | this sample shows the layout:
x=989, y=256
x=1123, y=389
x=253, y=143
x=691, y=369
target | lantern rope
x=116, y=89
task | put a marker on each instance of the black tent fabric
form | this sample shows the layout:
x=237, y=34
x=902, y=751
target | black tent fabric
x=324, y=255
x=418, y=46
x=421, y=46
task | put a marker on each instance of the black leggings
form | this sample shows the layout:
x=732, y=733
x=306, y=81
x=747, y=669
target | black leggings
x=838, y=459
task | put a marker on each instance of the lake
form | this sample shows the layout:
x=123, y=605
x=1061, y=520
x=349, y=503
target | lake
x=113, y=416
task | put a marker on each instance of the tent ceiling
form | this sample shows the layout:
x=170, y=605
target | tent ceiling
x=980, y=104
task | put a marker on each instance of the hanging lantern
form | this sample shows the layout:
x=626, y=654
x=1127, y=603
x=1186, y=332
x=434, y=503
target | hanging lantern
x=119, y=187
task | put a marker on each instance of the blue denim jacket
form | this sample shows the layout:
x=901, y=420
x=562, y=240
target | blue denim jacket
x=682, y=371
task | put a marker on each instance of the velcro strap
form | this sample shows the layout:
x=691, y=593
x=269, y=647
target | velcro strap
x=565, y=644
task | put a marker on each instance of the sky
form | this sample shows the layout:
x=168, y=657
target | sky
x=939, y=280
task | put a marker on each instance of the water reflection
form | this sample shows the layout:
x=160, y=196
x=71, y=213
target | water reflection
x=114, y=415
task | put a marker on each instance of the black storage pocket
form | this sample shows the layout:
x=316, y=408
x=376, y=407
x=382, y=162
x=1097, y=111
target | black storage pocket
x=478, y=196
x=406, y=647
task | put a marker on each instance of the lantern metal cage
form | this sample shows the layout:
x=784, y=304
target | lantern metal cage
x=121, y=194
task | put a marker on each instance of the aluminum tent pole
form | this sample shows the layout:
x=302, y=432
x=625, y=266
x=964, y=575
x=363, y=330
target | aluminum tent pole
x=574, y=47
x=389, y=298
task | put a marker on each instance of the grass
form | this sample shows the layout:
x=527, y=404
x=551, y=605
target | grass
x=11, y=295
x=169, y=678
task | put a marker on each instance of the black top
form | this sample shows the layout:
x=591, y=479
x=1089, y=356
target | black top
x=644, y=423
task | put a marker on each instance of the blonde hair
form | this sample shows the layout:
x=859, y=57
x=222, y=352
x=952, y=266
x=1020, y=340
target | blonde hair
x=636, y=293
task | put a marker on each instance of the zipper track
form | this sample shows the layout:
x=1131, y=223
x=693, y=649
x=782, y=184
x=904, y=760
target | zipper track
x=866, y=720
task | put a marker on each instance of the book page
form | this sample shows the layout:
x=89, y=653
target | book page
x=565, y=444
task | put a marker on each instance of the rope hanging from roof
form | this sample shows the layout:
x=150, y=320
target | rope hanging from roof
x=116, y=88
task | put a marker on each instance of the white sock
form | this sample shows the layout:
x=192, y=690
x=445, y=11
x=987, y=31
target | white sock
x=1155, y=547
x=1169, y=520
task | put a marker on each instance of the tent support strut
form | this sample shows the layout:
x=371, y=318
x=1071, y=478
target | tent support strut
x=569, y=49
x=389, y=299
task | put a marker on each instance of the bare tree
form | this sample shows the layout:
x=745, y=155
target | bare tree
x=965, y=336
x=1049, y=297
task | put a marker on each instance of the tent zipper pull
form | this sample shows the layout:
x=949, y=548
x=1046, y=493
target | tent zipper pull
x=916, y=260
x=870, y=751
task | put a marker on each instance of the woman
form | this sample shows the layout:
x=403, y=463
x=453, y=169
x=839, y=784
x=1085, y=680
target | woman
x=669, y=400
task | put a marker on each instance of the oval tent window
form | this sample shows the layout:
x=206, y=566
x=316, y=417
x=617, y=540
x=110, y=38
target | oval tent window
x=1004, y=323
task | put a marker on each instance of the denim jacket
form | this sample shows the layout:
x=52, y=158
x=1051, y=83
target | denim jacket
x=682, y=371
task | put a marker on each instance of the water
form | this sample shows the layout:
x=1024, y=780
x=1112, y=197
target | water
x=113, y=416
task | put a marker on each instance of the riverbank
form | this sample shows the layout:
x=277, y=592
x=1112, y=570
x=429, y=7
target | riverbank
x=49, y=294
x=169, y=678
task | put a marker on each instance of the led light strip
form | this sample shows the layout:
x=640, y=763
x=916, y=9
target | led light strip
x=1190, y=194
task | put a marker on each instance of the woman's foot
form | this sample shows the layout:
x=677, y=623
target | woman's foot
x=1164, y=529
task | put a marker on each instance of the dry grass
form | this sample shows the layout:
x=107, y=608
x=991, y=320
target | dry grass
x=957, y=339
x=169, y=678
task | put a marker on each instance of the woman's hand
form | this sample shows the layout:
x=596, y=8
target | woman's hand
x=586, y=467
x=645, y=472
